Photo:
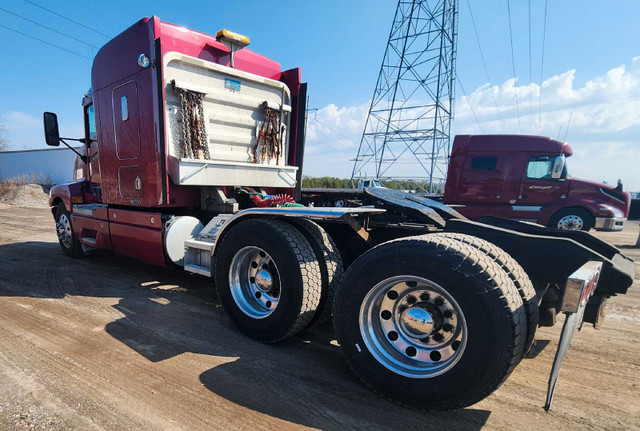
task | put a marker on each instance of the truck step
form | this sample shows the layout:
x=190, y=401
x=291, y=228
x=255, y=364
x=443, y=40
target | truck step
x=197, y=244
x=197, y=256
x=197, y=269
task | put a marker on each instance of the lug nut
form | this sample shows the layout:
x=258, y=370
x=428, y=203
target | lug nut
x=438, y=337
x=447, y=327
x=411, y=299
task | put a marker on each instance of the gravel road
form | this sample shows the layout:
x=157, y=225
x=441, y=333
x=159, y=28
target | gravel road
x=107, y=343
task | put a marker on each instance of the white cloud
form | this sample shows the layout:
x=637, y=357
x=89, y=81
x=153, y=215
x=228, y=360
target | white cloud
x=603, y=132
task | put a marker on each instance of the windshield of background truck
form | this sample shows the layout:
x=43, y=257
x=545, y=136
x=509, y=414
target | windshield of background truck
x=541, y=167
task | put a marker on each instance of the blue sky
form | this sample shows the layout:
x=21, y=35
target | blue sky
x=339, y=45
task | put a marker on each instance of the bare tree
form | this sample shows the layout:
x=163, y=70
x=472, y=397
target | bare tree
x=4, y=142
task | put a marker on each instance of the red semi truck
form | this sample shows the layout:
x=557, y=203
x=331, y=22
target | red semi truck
x=515, y=177
x=192, y=159
x=526, y=178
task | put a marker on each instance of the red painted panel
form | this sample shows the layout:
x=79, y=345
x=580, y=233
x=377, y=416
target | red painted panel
x=138, y=242
x=94, y=233
x=124, y=101
x=116, y=70
x=137, y=218
x=206, y=47
x=66, y=191
x=116, y=64
x=130, y=181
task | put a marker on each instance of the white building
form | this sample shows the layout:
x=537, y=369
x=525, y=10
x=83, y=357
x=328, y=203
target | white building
x=55, y=163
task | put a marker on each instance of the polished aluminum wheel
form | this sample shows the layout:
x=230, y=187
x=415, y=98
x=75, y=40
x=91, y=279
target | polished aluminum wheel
x=571, y=222
x=255, y=282
x=63, y=230
x=413, y=326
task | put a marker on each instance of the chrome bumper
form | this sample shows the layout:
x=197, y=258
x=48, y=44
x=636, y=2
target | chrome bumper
x=610, y=223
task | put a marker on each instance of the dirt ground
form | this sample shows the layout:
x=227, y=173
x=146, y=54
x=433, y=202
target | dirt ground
x=107, y=343
x=27, y=195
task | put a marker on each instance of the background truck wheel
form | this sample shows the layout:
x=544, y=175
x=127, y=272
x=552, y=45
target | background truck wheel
x=268, y=279
x=430, y=322
x=515, y=272
x=572, y=219
x=330, y=266
x=66, y=237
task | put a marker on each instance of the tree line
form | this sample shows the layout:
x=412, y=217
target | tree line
x=344, y=183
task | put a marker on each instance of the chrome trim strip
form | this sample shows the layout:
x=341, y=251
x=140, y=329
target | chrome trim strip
x=604, y=192
x=321, y=213
x=86, y=209
x=526, y=207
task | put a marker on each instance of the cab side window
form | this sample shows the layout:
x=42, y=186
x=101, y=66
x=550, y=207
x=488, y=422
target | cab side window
x=540, y=167
x=90, y=121
x=484, y=163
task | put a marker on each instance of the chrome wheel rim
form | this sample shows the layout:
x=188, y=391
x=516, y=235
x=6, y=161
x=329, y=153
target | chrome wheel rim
x=63, y=229
x=570, y=222
x=255, y=282
x=413, y=326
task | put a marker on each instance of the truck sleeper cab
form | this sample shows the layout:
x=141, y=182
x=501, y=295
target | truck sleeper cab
x=526, y=178
x=194, y=162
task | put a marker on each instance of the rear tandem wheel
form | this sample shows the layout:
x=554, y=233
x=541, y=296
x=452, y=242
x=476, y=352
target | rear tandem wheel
x=268, y=279
x=515, y=272
x=430, y=322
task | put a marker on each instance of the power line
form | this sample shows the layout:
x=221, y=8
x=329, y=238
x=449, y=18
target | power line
x=513, y=65
x=469, y=102
x=48, y=28
x=544, y=36
x=68, y=19
x=484, y=63
x=44, y=41
x=331, y=128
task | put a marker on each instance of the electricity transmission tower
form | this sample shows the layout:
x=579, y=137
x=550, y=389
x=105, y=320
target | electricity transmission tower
x=406, y=135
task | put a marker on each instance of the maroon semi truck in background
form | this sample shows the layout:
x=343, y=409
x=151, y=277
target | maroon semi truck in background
x=526, y=178
x=516, y=177
x=192, y=158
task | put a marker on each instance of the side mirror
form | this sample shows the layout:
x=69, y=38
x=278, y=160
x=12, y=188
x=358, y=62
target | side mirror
x=558, y=167
x=51, y=133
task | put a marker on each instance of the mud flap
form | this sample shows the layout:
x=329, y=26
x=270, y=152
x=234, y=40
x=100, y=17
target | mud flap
x=580, y=287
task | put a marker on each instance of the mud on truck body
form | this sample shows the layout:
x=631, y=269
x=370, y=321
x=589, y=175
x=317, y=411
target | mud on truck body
x=192, y=158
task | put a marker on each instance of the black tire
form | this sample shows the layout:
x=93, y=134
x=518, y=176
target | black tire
x=515, y=272
x=331, y=269
x=70, y=245
x=492, y=308
x=299, y=278
x=587, y=219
